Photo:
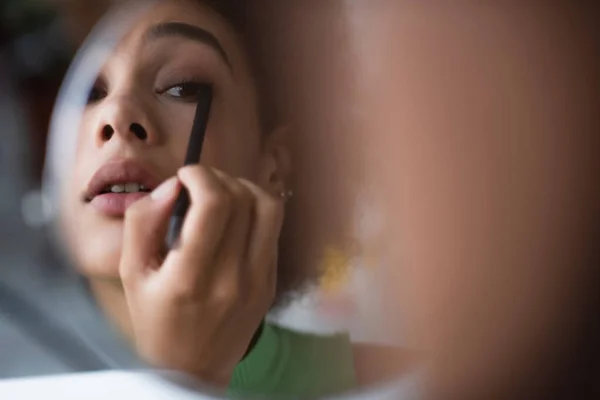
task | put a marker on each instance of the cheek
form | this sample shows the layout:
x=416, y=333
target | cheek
x=173, y=126
x=231, y=143
x=235, y=139
x=96, y=248
x=86, y=134
x=92, y=242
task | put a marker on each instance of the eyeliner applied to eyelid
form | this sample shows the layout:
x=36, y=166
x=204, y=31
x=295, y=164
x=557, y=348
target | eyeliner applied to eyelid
x=191, y=32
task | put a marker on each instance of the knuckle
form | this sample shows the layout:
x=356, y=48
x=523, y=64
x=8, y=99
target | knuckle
x=197, y=180
x=237, y=190
x=127, y=276
x=273, y=209
x=193, y=173
x=271, y=204
x=184, y=290
x=243, y=196
x=215, y=200
x=227, y=293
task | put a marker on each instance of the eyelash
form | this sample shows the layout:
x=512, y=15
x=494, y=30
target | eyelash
x=183, y=84
x=99, y=92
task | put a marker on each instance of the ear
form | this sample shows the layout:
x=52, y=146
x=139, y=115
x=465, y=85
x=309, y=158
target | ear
x=276, y=167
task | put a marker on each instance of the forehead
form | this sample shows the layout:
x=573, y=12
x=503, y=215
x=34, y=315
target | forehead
x=191, y=12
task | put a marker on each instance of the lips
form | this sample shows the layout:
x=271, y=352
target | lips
x=119, y=184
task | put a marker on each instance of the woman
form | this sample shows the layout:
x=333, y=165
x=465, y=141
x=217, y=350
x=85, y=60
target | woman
x=197, y=308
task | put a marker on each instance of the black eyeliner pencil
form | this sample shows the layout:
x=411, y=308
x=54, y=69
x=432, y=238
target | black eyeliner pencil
x=194, y=151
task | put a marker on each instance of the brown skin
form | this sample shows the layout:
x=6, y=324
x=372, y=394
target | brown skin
x=173, y=300
x=487, y=155
x=329, y=157
x=477, y=128
x=378, y=364
x=196, y=308
x=133, y=75
x=139, y=83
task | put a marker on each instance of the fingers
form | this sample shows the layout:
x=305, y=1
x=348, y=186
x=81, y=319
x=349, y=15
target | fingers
x=231, y=231
x=217, y=284
x=264, y=234
x=204, y=225
x=234, y=247
x=144, y=230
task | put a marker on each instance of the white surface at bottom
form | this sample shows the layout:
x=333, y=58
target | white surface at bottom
x=116, y=385
x=97, y=386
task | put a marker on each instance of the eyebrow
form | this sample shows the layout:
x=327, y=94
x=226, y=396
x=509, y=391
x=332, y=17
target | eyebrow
x=191, y=32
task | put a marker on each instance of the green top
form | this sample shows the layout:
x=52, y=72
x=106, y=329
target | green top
x=287, y=364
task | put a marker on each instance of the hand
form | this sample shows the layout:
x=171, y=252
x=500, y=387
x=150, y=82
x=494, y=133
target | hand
x=196, y=309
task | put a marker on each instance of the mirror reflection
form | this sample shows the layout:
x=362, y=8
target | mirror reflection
x=172, y=205
x=359, y=173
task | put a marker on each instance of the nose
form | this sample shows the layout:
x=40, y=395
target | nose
x=124, y=118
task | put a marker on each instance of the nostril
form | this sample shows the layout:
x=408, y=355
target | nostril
x=138, y=131
x=107, y=132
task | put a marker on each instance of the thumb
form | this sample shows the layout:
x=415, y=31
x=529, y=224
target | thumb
x=145, y=229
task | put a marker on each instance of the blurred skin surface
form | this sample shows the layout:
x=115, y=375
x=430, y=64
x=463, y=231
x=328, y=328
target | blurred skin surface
x=476, y=129
x=483, y=128
x=314, y=73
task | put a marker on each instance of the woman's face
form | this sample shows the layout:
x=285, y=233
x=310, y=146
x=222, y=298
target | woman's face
x=137, y=122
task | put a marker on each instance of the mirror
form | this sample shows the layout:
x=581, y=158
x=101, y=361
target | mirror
x=258, y=296
x=47, y=326
x=434, y=172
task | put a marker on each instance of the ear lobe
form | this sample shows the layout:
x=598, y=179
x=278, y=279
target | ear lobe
x=277, y=164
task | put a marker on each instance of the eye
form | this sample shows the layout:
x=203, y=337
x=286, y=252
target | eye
x=97, y=93
x=187, y=91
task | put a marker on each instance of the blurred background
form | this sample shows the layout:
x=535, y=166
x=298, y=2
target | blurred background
x=47, y=324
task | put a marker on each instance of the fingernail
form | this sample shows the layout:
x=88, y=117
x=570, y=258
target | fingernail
x=164, y=189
